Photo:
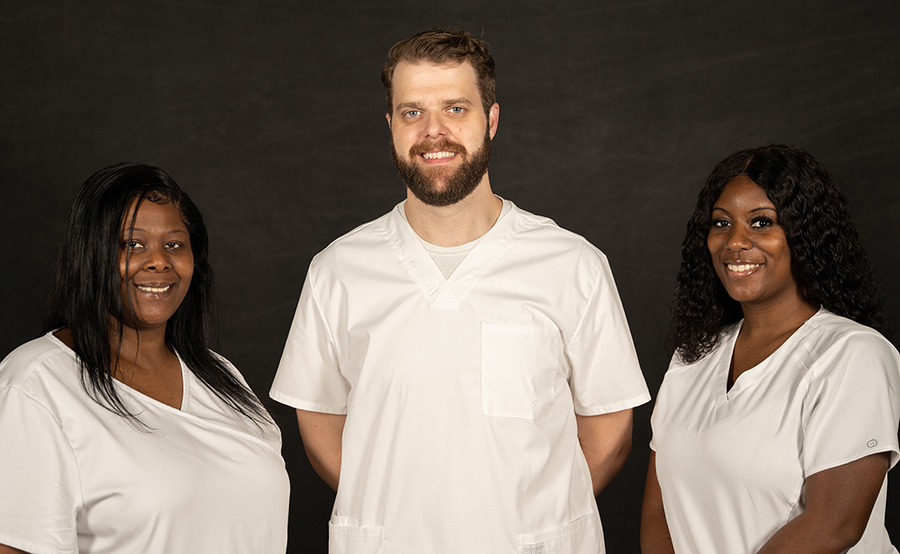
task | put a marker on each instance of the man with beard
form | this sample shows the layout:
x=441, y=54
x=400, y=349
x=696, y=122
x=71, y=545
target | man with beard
x=462, y=369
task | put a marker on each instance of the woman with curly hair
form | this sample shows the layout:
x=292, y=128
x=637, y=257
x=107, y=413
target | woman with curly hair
x=777, y=420
x=120, y=431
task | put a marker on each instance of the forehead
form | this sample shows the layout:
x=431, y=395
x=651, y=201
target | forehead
x=150, y=215
x=424, y=80
x=742, y=191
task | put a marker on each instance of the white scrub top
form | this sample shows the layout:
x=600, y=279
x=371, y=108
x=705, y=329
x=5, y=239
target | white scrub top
x=461, y=392
x=75, y=477
x=732, y=464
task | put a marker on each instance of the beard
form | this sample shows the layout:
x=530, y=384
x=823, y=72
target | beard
x=425, y=183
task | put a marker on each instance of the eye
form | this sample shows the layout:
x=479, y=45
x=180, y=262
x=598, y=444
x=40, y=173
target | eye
x=174, y=245
x=761, y=222
x=720, y=223
x=131, y=245
x=411, y=114
x=457, y=110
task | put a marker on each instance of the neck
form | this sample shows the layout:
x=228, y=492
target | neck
x=145, y=348
x=458, y=223
x=778, y=319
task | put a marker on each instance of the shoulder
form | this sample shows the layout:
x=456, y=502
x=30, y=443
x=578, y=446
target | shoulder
x=25, y=363
x=43, y=374
x=549, y=239
x=230, y=367
x=677, y=366
x=832, y=334
x=834, y=346
x=360, y=239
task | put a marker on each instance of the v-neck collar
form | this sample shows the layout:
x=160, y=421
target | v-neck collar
x=448, y=293
x=749, y=378
x=185, y=380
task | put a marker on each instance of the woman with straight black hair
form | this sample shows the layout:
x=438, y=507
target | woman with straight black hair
x=776, y=423
x=120, y=430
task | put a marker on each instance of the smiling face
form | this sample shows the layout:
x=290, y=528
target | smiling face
x=155, y=264
x=440, y=134
x=749, y=249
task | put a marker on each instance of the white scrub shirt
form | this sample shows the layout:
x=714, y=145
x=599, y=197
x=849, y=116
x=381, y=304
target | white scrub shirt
x=75, y=477
x=461, y=392
x=732, y=464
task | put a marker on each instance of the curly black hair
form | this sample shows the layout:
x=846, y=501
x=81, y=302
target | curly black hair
x=827, y=258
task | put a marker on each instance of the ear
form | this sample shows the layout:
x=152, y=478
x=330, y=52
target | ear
x=494, y=119
x=388, y=117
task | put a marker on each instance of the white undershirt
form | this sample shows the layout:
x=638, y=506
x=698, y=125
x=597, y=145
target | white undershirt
x=448, y=258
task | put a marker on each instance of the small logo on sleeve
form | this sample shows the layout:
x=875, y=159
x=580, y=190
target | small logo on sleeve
x=872, y=443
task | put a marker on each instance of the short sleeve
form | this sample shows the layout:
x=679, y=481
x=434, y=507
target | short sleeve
x=39, y=480
x=606, y=375
x=309, y=376
x=853, y=404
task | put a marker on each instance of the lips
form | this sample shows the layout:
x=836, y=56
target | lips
x=742, y=268
x=155, y=288
x=437, y=150
x=438, y=155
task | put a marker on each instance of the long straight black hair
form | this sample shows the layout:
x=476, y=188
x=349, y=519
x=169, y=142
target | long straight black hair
x=88, y=289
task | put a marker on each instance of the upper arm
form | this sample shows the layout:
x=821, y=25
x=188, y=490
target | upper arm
x=322, y=436
x=605, y=441
x=309, y=375
x=605, y=431
x=605, y=372
x=39, y=480
x=852, y=407
x=318, y=428
x=655, y=535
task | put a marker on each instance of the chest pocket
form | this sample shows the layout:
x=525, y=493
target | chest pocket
x=518, y=369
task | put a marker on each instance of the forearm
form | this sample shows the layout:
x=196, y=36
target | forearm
x=804, y=534
x=839, y=502
x=10, y=550
x=322, y=434
x=606, y=442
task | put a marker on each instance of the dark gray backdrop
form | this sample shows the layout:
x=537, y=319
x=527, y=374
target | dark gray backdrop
x=270, y=114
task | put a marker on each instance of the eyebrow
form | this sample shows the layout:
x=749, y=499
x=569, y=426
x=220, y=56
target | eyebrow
x=133, y=229
x=450, y=102
x=761, y=208
x=457, y=101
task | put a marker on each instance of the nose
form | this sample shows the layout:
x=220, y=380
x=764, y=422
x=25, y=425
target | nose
x=434, y=125
x=739, y=238
x=157, y=259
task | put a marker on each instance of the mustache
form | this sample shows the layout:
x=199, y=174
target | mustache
x=443, y=145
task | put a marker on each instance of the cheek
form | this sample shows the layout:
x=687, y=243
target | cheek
x=187, y=270
x=712, y=244
x=123, y=274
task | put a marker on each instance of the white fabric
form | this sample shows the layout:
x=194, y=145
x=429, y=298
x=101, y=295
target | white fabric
x=448, y=258
x=732, y=465
x=74, y=477
x=461, y=393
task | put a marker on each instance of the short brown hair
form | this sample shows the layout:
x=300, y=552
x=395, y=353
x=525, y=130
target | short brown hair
x=441, y=46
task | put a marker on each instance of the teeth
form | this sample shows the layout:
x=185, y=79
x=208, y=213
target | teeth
x=741, y=267
x=154, y=289
x=438, y=155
